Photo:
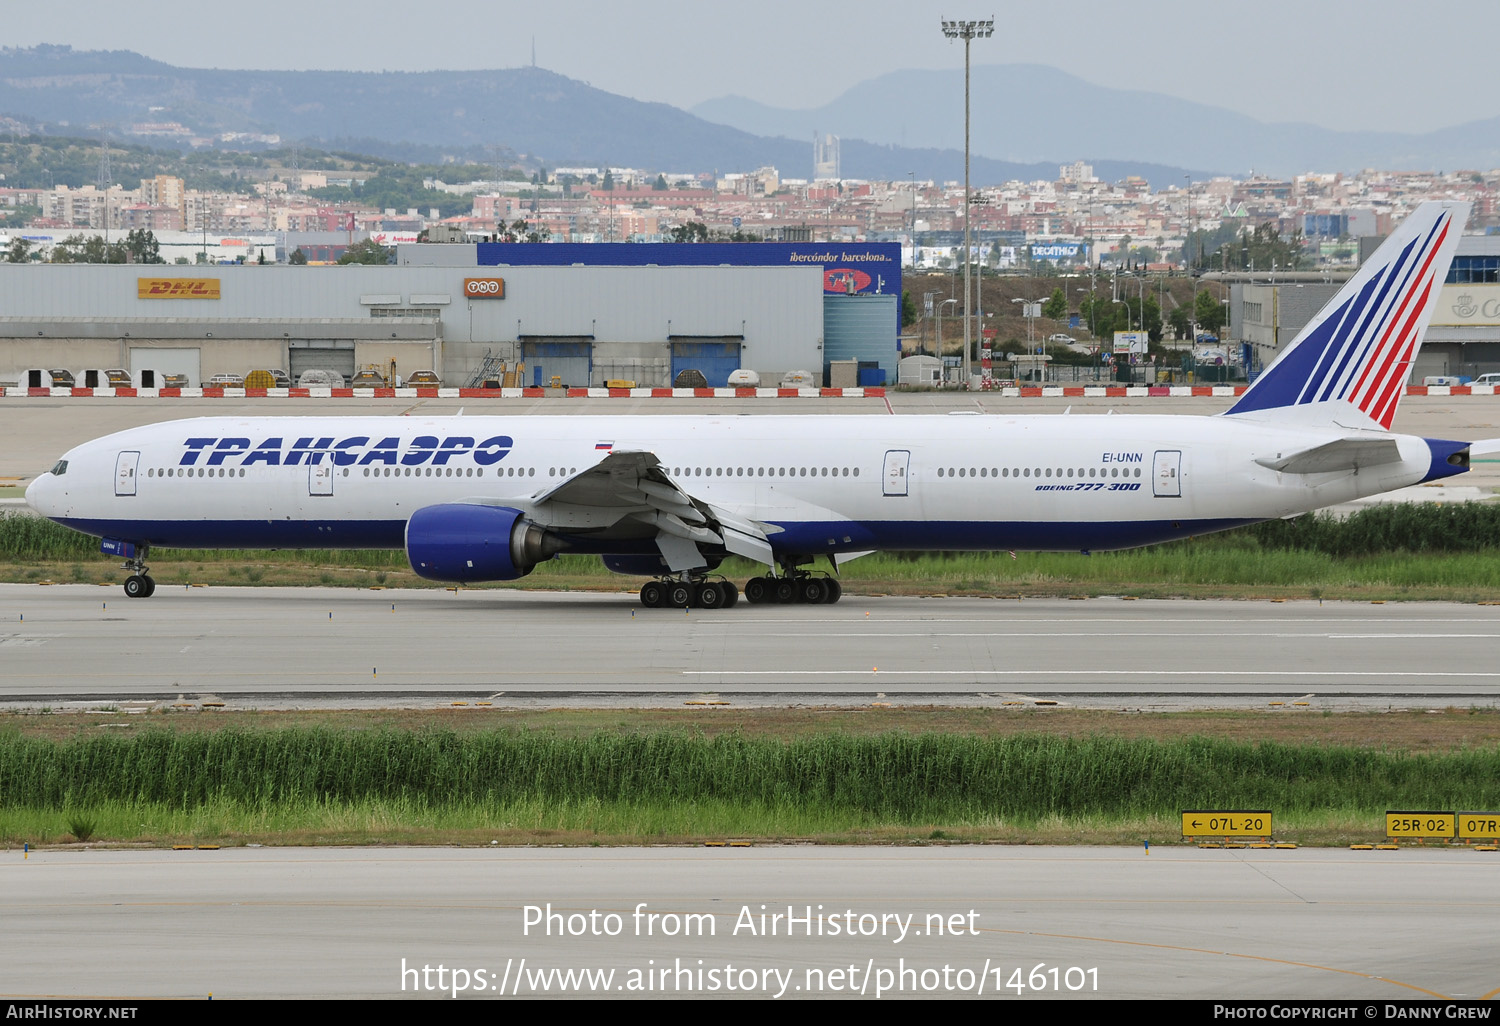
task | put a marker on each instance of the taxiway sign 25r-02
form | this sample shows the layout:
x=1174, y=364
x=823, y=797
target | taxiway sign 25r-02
x=669, y=497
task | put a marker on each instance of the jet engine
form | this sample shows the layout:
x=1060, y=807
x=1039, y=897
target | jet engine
x=467, y=542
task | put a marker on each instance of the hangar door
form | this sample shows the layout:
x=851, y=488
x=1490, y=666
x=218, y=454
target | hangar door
x=568, y=358
x=318, y=354
x=715, y=357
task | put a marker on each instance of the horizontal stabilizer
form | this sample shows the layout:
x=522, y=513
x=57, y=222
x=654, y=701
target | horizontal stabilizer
x=1484, y=447
x=1339, y=454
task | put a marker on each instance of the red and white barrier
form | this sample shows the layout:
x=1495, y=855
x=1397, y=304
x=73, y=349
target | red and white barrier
x=1022, y=392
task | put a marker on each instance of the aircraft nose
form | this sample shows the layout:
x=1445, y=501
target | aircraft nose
x=38, y=494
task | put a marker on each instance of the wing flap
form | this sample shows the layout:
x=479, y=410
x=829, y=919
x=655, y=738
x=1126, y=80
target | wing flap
x=631, y=485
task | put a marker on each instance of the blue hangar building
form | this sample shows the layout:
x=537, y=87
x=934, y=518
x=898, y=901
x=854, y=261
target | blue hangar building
x=588, y=313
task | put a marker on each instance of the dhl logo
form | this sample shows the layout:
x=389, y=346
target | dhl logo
x=177, y=288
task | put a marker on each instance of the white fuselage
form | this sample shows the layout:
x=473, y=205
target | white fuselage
x=822, y=484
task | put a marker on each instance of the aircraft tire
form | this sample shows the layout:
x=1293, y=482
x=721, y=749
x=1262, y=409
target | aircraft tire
x=731, y=595
x=653, y=595
x=150, y=585
x=680, y=596
x=757, y=590
x=812, y=591
x=709, y=595
x=785, y=591
x=135, y=586
x=835, y=591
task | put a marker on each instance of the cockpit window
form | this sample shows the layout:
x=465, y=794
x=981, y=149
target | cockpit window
x=60, y=468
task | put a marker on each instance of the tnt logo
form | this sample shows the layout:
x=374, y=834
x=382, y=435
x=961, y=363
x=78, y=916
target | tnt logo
x=484, y=288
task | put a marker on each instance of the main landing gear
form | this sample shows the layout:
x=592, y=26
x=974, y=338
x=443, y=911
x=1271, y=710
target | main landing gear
x=139, y=584
x=797, y=587
x=689, y=593
x=696, y=591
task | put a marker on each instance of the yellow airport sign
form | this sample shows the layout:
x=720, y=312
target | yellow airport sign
x=1419, y=824
x=1479, y=825
x=1225, y=823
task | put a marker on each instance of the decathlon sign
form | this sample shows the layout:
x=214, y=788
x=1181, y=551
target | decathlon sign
x=484, y=288
x=1056, y=251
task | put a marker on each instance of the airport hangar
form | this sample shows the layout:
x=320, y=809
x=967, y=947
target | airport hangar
x=581, y=314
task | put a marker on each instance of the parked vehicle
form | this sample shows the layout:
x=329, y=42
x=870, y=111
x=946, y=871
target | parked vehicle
x=318, y=378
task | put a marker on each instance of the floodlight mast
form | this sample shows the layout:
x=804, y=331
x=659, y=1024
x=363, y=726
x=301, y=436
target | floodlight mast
x=967, y=30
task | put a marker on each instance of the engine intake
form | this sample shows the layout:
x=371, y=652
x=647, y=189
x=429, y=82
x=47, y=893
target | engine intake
x=465, y=542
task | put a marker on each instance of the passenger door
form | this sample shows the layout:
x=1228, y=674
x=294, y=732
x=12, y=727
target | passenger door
x=125, y=467
x=897, y=464
x=1166, y=476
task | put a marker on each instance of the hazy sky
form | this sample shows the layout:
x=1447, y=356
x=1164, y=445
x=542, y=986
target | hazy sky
x=1370, y=64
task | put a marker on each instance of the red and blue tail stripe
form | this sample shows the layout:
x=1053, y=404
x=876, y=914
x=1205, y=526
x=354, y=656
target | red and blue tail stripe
x=1359, y=350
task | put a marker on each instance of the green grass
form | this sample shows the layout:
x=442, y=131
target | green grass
x=316, y=784
x=1399, y=551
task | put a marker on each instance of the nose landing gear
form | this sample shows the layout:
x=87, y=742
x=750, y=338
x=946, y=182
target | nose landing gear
x=139, y=584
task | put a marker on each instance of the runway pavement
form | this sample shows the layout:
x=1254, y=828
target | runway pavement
x=280, y=647
x=1003, y=922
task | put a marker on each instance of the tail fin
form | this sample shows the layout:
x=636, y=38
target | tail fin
x=1350, y=363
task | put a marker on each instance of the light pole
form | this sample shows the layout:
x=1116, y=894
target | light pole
x=967, y=30
x=940, y=326
x=1188, y=260
x=927, y=311
x=1028, y=311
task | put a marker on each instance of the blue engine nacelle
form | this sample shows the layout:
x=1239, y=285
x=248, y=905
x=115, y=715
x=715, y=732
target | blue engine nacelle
x=466, y=542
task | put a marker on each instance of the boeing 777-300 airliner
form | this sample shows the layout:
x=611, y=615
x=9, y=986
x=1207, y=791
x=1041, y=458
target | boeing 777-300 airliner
x=486, y=498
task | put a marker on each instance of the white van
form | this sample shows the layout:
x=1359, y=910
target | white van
x=1487, y=379
x=1441, y=379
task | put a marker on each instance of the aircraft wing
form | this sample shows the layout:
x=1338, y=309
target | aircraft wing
x=631, y=485
x=1339, y=454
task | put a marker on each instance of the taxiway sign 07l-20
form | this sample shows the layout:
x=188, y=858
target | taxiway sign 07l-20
x=487, y=498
